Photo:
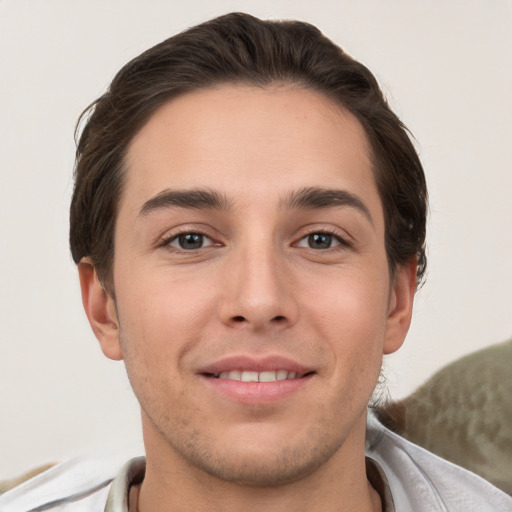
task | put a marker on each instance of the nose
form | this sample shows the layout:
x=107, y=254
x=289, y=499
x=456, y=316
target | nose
x=259, y=292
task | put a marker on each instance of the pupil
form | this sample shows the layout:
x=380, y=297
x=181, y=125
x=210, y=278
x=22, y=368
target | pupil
x=191, y=241
x=320, y=241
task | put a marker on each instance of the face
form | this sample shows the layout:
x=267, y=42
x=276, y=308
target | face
x=253, y=300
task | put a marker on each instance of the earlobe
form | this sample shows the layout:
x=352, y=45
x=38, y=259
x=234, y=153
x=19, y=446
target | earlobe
x=401, y=301
x=100, y=309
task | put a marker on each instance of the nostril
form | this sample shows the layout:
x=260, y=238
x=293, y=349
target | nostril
x=278, y=318
x=239, y=318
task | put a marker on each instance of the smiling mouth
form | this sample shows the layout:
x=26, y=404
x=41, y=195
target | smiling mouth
x=257, y=381
x=264, y=376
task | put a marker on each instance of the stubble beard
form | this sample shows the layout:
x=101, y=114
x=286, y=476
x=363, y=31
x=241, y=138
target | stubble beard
x=285, y=465
x=204, y=453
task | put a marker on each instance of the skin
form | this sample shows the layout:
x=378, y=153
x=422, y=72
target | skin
x=258, y=287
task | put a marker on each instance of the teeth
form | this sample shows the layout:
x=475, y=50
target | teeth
x=281, y=375
x=250, y=376
x=267, y=376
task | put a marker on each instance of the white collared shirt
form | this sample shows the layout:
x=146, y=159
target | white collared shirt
x=415, y=480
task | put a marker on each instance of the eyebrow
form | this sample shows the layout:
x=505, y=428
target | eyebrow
x=194, y=198
x=318, y=198
x=306, y=198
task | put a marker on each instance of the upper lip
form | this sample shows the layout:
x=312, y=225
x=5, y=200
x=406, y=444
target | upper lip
x=255, y=364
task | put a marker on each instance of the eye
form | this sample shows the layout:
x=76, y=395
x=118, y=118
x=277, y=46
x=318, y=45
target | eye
x=190, y=241
x=319, y=241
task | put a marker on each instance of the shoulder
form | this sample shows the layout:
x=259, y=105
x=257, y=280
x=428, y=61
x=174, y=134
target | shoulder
x=421, y=481
x=82, y=484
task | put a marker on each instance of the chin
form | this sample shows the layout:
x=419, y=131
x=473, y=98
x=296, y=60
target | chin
x=263, y=462
x=268, y=471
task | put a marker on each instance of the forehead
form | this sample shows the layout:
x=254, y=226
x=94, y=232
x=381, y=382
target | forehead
x=246, y=139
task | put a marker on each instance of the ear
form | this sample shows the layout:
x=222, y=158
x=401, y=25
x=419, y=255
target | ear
x=100, y=310
x=401, y=301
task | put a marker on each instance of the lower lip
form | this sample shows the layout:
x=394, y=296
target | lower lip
x=257, y=392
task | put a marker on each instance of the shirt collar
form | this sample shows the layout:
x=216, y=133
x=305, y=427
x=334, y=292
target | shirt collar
x=132, y=473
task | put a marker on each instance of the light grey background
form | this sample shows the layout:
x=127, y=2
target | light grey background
x=446, y=68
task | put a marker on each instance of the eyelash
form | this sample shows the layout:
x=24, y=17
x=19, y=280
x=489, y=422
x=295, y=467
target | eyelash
x=342, y=242
x=166, y=242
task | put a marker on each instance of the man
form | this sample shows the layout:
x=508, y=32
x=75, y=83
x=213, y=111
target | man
x=248, y=222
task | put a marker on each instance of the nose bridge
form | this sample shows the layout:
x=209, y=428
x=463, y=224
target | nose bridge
x=258, y=292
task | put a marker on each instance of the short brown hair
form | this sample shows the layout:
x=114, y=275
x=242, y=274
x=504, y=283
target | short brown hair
x=241, y=49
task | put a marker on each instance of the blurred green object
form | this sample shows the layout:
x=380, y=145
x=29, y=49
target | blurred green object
x=463, y=413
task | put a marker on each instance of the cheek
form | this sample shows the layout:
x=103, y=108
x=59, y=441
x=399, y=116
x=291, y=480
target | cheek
x=353, y=305
x=161, y=317
x=350, y=316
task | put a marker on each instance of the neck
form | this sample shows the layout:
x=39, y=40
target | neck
x=339, y=484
